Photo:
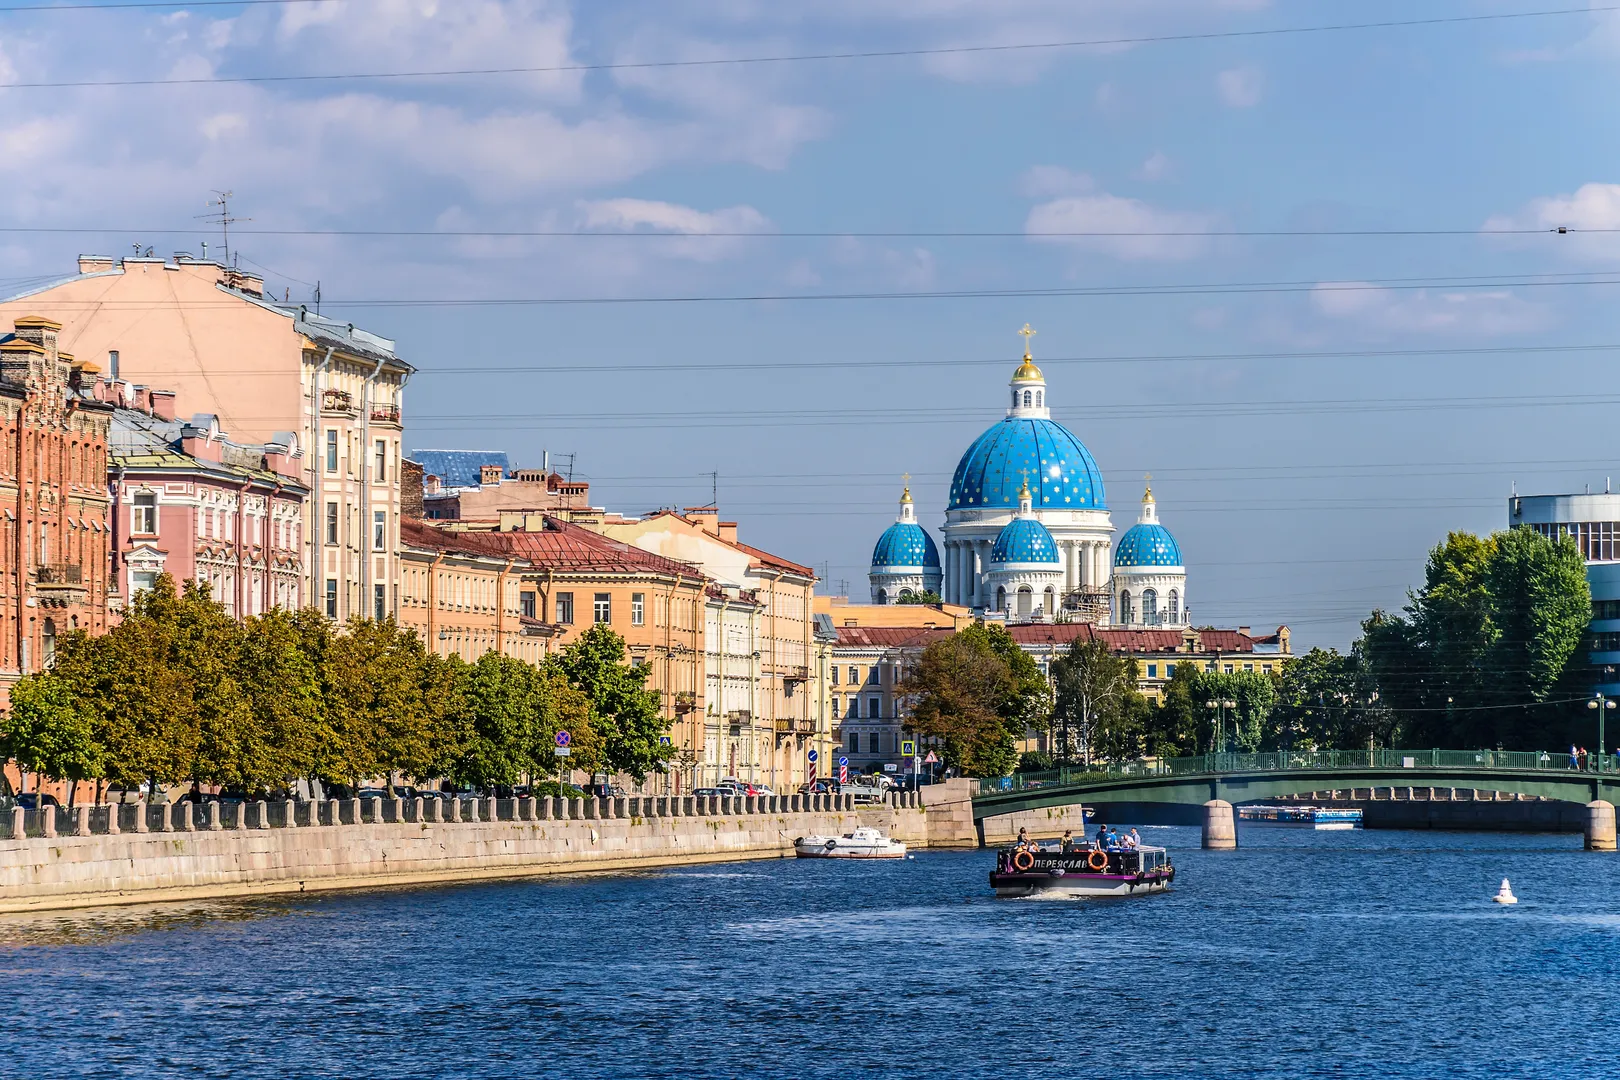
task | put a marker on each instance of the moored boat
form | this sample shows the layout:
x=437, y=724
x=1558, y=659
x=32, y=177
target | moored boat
x=1083, y=870
x=1301, y=817
x=863, y=843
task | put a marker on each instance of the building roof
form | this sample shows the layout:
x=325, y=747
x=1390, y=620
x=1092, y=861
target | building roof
x=459, y=468
x=765, y=558
x=889, y=637
x=1023, y=540
x=568, y=548
x=140, y=442
x=1147, y=544
x=1063, y=474
x=905, y=545
x=1144, y=641
x=421, y=534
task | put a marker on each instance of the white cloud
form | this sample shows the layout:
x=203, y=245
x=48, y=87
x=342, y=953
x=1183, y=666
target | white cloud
x=1156, y=167
x=1240, y=88
x=1040, y=181
x=1593, y=206
x=1105, y=213
x=1383, y=312
x=645, y=215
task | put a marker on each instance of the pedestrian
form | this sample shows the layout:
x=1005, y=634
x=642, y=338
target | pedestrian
x=1067, y=845
x=1582, y=758
x=1136, y=839
x=1574, y=762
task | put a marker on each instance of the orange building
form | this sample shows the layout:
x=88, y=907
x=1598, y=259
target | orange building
x=462, y=594
x=55, y=532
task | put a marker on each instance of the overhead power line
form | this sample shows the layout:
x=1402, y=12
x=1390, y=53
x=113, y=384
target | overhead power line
x=138, y=4
x=868, y=54
x=802, y=234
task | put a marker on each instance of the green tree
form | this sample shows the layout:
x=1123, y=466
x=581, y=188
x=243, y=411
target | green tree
x=625, y=714
x=962, y=693
x=381, y=719
x=919, y=598
x=500, y=707
x=1174, y=728
x=1541, y=611
x=1095, y=713
x=47, y=731
x=285, y=703
x=1247, y=726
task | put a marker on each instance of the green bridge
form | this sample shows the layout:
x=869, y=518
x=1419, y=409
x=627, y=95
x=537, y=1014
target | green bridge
x=1231, y=778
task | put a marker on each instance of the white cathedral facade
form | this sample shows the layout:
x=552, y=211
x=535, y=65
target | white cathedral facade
x=1028, y=535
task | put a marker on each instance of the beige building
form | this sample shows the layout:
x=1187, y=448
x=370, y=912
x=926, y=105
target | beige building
x=769, y=741
x=463, y=594
x=270, y=372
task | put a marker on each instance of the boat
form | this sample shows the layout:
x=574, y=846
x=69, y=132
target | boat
x=1301, y=817
x=1083, y=870
x=863, y=843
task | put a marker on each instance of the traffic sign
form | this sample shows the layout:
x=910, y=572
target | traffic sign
x=563, y=738
x=843, y=760
x=931, y=759
x=561, y=751
x=663, y=740
x=908, y=747
x=811, y=756
x=843, y=769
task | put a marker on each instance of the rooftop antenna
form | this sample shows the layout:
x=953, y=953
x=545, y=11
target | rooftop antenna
x=714, y=488
x=222, y=218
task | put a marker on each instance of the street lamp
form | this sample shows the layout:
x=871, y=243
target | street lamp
x=1222, y=705
x=1602, y=704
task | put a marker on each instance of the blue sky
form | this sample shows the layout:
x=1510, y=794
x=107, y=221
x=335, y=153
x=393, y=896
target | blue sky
x=1304, y=489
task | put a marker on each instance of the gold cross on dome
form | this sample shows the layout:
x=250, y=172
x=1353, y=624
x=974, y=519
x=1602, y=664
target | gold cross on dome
x=906, y=478
x=1026, y=333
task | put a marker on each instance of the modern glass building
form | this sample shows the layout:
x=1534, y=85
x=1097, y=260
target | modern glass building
x=1593, y=521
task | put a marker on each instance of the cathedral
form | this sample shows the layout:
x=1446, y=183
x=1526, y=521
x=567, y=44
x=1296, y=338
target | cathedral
x=1028, y=536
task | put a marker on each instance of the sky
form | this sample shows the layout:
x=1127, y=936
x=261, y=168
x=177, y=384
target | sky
x=1342, y=326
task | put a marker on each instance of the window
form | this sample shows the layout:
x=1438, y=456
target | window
x=331, y=524
x=1606, y=609
x=854, y=742
x=379, y=603
x=638, y=609
x=1228, y=668
x=1169, y=670
x=526, y=604
x=141, y=580
x=379, y=530
x=872, y=674
x=1248, y=667
x=565, y=607
x=331, y=598
x=854, y=708
x=835, y=707
x=854, y=675
x=44, y=545
x=1150, y=607
x=382, y=461
x=1153, y=671
x=602, y=607
x=872, y=741
x=48, y=642
x=1125, y=607
x=874, y=708
x=1606, y=642
x=835, y=674
x=143, y=515
x=1038, y=396
x=331, y=450
x=1173, y=609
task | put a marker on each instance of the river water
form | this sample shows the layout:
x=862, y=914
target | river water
x=1367, y=954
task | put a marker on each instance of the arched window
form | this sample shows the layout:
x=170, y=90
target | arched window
x=1050, y=606
x=904, y=593
x=1125, y=606
x=1173, y=607
x=1039, y=394
x=47, y=643
x=1026, y=600
x=883, y=596
x=1029, y=399
x=1150, y=607
x=1001, y=598
x=1015, y=399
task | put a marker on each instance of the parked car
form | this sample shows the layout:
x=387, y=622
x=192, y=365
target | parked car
x=823, y=786
x=715, y=791
x=31, y=800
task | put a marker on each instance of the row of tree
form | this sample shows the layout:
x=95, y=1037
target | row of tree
x=180, y=692
x=1489, y=652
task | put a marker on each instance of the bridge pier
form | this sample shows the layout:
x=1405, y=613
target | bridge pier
x=1220, y=826
x=1600, y=826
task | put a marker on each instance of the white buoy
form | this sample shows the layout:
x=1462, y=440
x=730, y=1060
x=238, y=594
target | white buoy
x=1504, y=895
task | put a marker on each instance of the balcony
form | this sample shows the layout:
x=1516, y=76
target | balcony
x=385, y=414
x=796, y=674
x=795, y=726
x=59, y=584
x=685, y=701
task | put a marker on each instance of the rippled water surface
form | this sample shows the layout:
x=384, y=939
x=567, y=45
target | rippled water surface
x=1304, y=954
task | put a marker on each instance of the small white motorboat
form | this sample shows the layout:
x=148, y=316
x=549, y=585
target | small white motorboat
x=863, y=843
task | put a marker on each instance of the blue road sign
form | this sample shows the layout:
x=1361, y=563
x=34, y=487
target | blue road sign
x=843, y=761
x=563, y=737
x=812, y=755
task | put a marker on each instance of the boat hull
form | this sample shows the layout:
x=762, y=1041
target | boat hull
x=804, y=853
x=1105, y=885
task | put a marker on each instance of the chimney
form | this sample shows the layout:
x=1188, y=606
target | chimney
x=95, y=264
x=143, y=399
x=163, y=405
x=489, y=475
x=705, y=517
x=196, y=439
x=38, y=331
x=1244, y=630
x=728, y=531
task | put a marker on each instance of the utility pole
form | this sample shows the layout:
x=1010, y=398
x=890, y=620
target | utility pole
x=222, y=218
x=1602, y=703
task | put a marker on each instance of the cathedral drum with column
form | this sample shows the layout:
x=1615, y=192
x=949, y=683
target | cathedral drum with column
x=1029, y=450
x=1150, y=580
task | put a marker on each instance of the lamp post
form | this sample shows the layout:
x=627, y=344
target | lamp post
x=1602, y=704
x=1220, y=724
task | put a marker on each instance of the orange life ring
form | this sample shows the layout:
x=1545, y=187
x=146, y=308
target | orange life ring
x=1022, y=861
x=1097, y=860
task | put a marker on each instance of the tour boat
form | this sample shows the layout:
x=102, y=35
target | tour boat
x=1081, y=871
x=863, y=843
x=1301, y=817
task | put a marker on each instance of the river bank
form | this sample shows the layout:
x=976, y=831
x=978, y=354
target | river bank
x=158, y=854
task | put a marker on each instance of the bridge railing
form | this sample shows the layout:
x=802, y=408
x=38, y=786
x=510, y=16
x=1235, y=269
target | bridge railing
x=1300, y=760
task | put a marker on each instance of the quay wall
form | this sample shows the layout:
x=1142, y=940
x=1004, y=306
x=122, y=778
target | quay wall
x=1461, y=809
x=244, y=850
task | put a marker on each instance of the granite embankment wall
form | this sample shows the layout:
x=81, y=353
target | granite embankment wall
x=141, y=854
x=1451, y=808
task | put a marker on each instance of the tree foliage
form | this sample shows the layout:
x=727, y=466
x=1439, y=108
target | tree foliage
x=624, y=713
x=1097, y=712
x=965, y=696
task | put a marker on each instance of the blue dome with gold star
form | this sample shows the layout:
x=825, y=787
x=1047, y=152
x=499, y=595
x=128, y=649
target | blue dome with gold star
x=1024, y=540
x=1062, y=473
x=1147, y=545
x=905, y=545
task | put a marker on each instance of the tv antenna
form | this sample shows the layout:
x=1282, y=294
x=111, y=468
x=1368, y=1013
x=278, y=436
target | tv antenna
x=222, y=218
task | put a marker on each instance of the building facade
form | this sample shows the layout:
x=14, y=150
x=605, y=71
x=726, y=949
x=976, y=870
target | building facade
x=55, y=515
x=190, y=503
x=782, y=727
x=271, y=373
x=1593, y=522
x=463, y=594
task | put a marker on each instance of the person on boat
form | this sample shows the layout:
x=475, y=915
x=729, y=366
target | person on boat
x=1067, y=844
x=1102, y=837
x=1112, y=840
x=1136, y=839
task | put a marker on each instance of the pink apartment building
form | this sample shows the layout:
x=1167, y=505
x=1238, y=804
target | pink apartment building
x=189, y=502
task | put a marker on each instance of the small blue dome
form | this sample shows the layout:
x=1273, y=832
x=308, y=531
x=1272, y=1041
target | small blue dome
x=1062, y=473
x=1147, y=545
x=906, y=544
x=1024, y=540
